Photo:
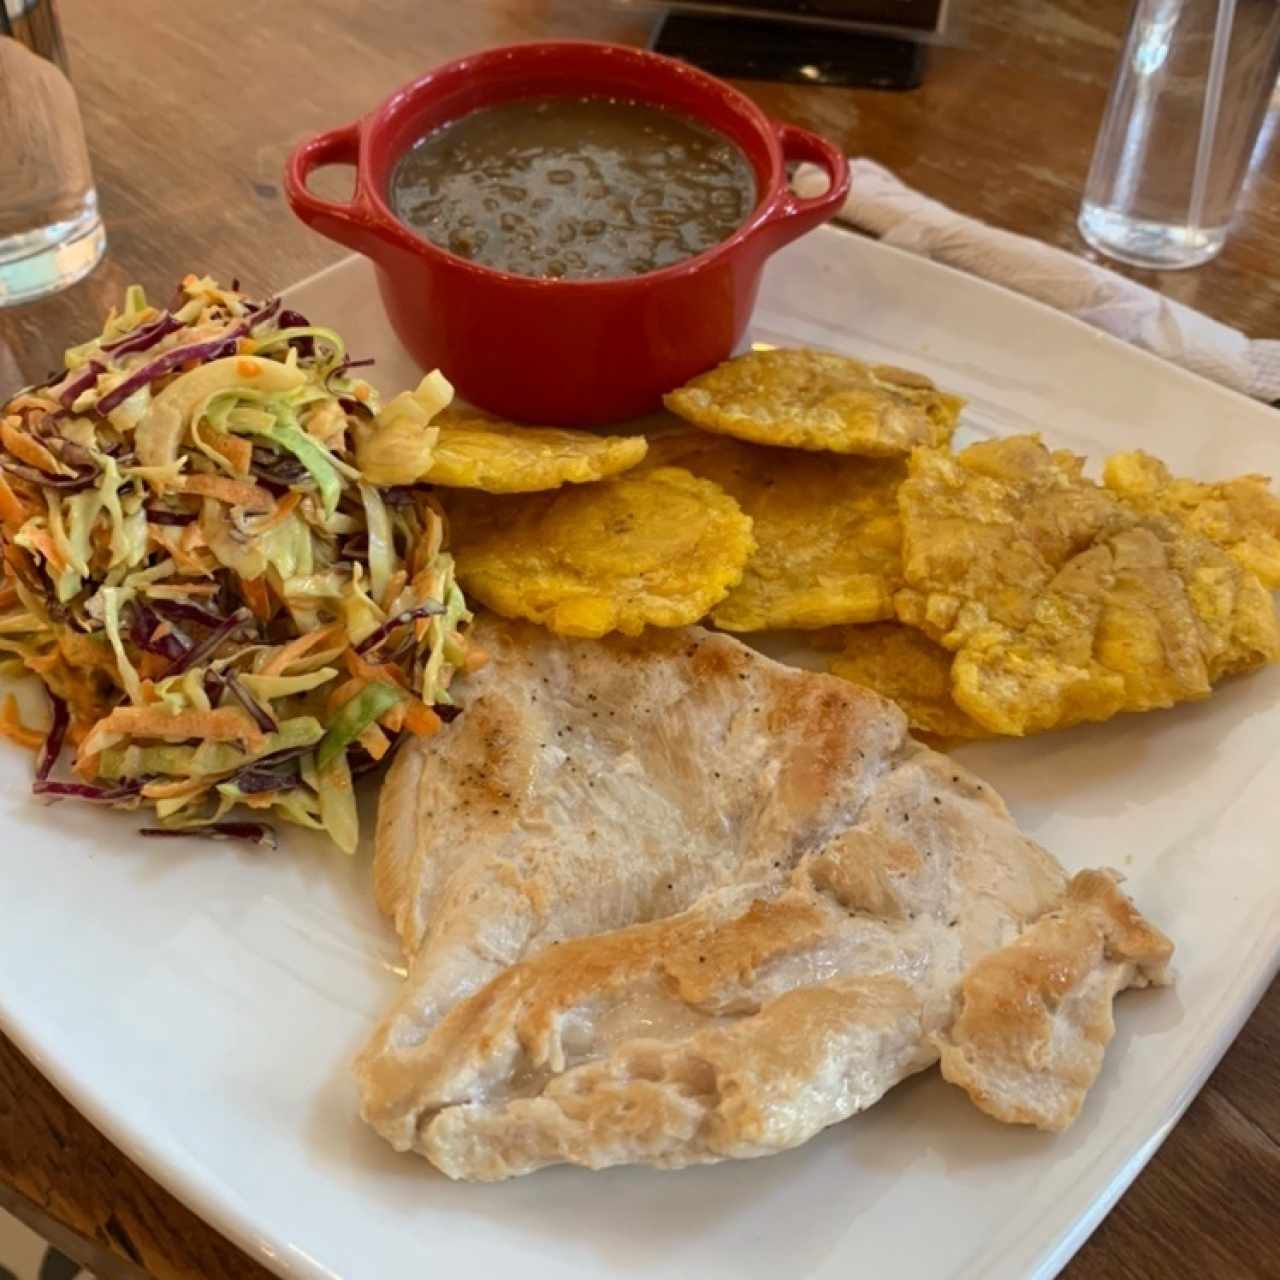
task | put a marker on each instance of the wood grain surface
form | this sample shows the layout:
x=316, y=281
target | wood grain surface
x=190, y=110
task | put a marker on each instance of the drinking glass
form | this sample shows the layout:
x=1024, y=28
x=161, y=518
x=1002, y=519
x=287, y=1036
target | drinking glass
x=50, y=232
x=1181, y=125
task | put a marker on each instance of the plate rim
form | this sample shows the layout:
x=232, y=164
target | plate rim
x=213, y=1199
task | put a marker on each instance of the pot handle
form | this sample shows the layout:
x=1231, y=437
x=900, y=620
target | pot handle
x=793, y=215
x=339, y=221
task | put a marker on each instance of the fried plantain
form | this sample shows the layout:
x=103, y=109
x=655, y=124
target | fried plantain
x=820, y=401
x=1061, y=603
x=905, y=666
x=658, y=547
x=1242, y=515
x=826, y=529
x=474, y=451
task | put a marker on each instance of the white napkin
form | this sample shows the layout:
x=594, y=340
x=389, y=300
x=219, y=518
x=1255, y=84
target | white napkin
x=878, y=203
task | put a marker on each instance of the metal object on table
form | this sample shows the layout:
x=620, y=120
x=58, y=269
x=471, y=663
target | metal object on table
x=50, y=232
x=1181, y=128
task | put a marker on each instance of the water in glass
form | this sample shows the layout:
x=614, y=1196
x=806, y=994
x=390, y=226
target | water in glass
x=50, y=231
x=1181, y=127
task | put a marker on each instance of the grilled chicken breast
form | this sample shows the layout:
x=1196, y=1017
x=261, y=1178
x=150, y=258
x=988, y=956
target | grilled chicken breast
x=668, y=901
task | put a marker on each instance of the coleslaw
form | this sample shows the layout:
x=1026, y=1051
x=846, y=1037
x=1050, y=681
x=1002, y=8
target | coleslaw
x=232, y=607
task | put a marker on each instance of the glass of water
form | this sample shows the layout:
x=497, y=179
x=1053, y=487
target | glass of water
x=50, y=232
x=1181, y=126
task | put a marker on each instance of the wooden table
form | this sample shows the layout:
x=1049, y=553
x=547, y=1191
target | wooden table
x=190, y=109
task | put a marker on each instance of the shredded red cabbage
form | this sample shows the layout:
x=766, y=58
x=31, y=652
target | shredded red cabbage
x=285, y=755
x=354, y=547
x=408, y=615
x=172, y=359
x=144, y=622
x=72, y=455
x=260, y=315
x=144, y=337
x=358, y=407
x=344, y=368
x=306, y=346
x=404, y=495
x=182, y=611
x=253, y=783
x=207, y=647
x=278, y=468
x=80, y=383
x=360, y=762
x=258, y=833
x=257, y=712
x=83, y=791
x=157, y=516
x=69, y=484
x=52, y=746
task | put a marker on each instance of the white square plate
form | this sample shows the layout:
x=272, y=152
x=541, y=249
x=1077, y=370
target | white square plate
x=201, y=1004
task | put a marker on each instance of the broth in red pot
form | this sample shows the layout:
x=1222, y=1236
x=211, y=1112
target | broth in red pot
x=574, y=188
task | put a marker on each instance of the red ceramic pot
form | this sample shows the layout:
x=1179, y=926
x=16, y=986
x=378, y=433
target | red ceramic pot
x=573, y=352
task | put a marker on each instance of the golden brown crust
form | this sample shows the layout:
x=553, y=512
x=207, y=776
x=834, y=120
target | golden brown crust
x=743, y=1089
x=1061, y=603
x=828, y=537
x=651, y=548
x=1035, y=1016
x=911, y=670
x=1241, y=515
x=475, y=451
x=818, y=400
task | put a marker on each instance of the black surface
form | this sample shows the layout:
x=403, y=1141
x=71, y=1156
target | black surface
x=764, y=49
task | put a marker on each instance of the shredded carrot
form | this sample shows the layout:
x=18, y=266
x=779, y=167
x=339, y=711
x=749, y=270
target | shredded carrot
x=192, y=538
x=284, y=507
x=45, y=403
x=247, y=369
x=173, y=541
x=361, y=391
x=13, y=514
x=370, y=672
x=29, y=450
x=246, y=346
x=43, y=542
x=225, y=724
x=374, y=741
x=475, y=659
x=11, y=726
x=236, y=449
x=257, y=597
x=395, y=585
x=151, y=666
x=419, y=719
x=347, y=690
x=287, y=655
x=239, y=493
x=21, y=564
x=392, y=719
